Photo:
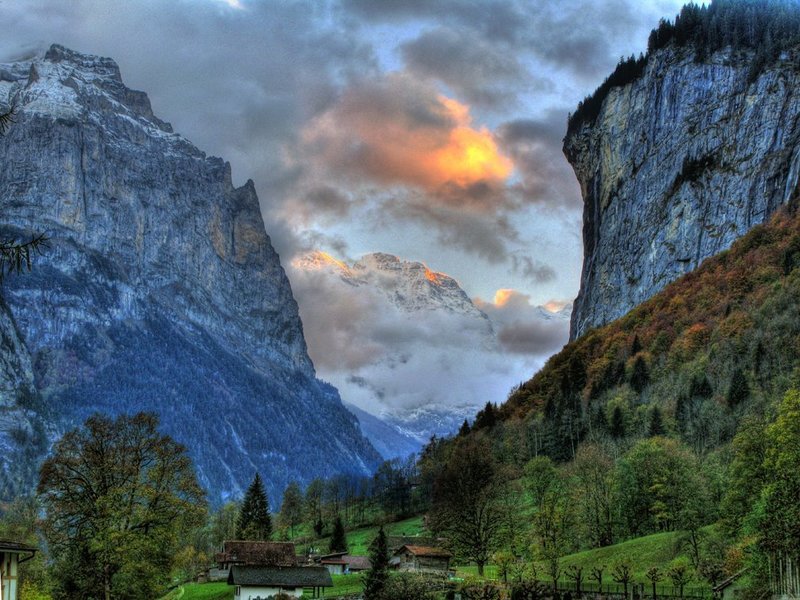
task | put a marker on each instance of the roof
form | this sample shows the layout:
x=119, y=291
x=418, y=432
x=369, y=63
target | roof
x=358, y=563
x=251, y=553
x=332, y=555
x=280, y=576
x=428, y=551
x=729, y=581
x=9, y=546
x=395, y=542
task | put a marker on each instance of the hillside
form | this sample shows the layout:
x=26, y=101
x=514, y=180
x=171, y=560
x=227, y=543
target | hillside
x=712, y=346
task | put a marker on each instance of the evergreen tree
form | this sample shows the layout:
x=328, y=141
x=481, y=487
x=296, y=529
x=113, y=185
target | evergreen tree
x=636, y=346
x=464, y=430
x=656, y=426
x=739, y=390
x=617, y=423
x=640, y=376
x=254, y=522
x=338, y=541
x=378, y=574
x=486, y=418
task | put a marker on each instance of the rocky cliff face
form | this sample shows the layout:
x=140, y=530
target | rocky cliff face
x=160, y=290
x=678, y=164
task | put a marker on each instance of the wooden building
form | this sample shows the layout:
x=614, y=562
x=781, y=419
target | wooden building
x=422, y=559
x=251, y=553
x=261, y=583
x=11, y=555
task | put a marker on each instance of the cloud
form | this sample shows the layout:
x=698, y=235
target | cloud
x=546, y=178
x=484, y=74
x=398, y=130
x=523, y=328
x=534, y=270
x=387, y=359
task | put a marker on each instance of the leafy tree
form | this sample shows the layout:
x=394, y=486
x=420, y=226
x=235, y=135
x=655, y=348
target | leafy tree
x=115, y=495
x=779, y=520
x=292, y=507
x=465, y=500
x=313, y=502
x=338, y=541
x=378, y=574
x=654, y=575
x=622, y=573
x=254, y=522
x=679, y=574
x=409, y=586
x=223, y=524
x=593, y=486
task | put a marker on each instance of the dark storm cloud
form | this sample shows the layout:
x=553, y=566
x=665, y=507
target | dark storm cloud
x=534, y=145
x=534, y=270
x=484, y=74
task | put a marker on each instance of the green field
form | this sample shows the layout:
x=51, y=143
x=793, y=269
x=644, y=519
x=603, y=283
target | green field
x=202, y=591
x=358, y=540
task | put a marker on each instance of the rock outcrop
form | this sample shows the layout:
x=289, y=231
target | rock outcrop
x=160, y=289
x=679, y=163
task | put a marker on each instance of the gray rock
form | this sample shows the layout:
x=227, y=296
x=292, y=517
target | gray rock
x=160, y=290
x=678, y=165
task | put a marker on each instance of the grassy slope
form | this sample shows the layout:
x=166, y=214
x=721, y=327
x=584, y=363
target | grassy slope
x=358, y=540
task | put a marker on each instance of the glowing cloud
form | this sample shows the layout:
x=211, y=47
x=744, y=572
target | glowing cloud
x=402, y=131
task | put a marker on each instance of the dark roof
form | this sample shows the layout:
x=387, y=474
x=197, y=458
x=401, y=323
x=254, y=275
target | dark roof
x=9, y=546
x=272, y=554
x=280, y=576
x=428, y=551
x=730, y=580
x=358, y=563
x=395, y=542
x=332, y=555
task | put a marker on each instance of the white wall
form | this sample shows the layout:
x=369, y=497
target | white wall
x=251, y=592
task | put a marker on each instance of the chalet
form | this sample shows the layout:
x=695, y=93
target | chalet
x=11, y=555
x=263, y=583
x=341, y=562
x=423, y=559
x=243, y=553
x=395, y=542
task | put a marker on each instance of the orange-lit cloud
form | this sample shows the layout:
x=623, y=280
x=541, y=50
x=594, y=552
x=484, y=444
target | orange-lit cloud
x=402, y=131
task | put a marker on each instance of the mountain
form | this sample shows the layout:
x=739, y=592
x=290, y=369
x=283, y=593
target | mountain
x=160, y=290
x=408, y=285
x=410, y=348
x=684, y=150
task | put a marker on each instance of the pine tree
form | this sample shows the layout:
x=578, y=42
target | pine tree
x=656, y=423
x=486, y=418
x=338, y=541
x=464, y=430
x=378, y=574
x=254, y=522
x=739, y=391
x=617, y=423
x=640, y=376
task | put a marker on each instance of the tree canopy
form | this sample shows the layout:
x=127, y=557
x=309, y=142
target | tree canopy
x=116, y=493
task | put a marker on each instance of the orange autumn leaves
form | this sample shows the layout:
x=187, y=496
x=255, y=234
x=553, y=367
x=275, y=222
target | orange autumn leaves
x=399, y=131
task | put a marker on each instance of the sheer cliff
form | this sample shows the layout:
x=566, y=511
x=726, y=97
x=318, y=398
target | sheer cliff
x=160, y=289
x=677, y=164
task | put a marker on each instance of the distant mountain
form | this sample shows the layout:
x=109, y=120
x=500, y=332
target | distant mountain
x=427, y=331
x=160, y=291
x=389, y=440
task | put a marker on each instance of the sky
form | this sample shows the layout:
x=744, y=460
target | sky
x=428, y=129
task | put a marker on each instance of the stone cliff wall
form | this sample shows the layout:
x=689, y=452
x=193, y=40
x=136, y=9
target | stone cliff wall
x=160, y=289
x=678, y=164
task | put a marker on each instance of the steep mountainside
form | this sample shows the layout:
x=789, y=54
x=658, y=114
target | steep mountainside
x=160, y=290
x=714, y=345
x=677, y=164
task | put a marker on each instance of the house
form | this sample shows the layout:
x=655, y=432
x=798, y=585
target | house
x=729, y=588
x=263, y=583
x=11, y=555
x=395, y=542
x=334, y=562
x=251, y=553
x=423, y=559
x=339, y=563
